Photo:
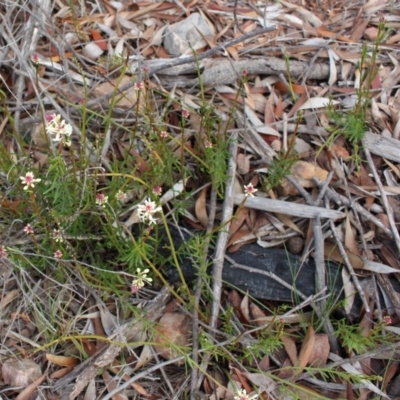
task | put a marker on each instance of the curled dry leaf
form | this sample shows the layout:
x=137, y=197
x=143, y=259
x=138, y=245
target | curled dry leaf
x=306, y=348
x=290, y=347
x=261, y=381
x=173, y=331
x=349, y=290
x=317, y=102
x=62, y=360
x=243, y=163
x=320, y=351
x=29, y=391
x=201, y=207
x=145, y=357
x=20, y=372
x=125, y=101
x=111, y=384
x=90, y=392
x=332, y=253
x=303, y=172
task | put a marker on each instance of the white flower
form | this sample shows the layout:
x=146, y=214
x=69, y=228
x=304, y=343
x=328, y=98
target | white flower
x=157, y=190
x=138, y=86
x=242, y=395
x=3, y=252
x=101, y=199
x=28, y=229
x=29, y=180
x=249, y=190
x=58, y=129
x=140, y=280
x=147, y=210
x=57, y=236
x=121, y=196
x=58, y=254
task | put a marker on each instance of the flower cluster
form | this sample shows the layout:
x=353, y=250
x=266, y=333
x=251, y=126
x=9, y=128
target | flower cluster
x=58, y=129
x=249, y=190
x=3, y=252
x=207, y=144
x=140, y=280
x=138, y=86
x=35, y=58
x=29, y=229
x=58, y=254
x=157, y=190
x=146, y=211
x=57, y=236
x=242, y=395
x=29, y=180
x=101, y=199
x=121, y=196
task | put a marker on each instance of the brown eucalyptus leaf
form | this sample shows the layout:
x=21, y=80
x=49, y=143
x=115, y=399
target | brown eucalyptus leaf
x=201, y=207
x=173, y=330
x=62, y=361
x=332, y=252
x=320, y=351
x=290, y=347
x=306, y=348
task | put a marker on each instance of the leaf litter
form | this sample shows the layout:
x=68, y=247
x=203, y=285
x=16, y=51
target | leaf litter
x=316, y=83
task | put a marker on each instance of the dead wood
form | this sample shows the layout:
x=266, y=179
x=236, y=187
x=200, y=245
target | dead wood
x=224, y=72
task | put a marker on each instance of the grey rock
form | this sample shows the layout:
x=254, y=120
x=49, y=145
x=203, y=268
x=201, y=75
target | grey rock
x=184, y=35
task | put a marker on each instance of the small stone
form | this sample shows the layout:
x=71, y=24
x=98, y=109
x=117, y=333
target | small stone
x=92, y=51
x=295, y=245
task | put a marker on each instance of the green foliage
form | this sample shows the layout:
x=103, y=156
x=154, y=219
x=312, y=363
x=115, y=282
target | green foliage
x=352, y=124
x=277, y=170
x=353, y=340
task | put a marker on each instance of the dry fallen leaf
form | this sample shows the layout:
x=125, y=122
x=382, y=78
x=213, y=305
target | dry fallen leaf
x=290, y=347
x=20, y=372
x=201, y=207
x=112, y=384
x=306, y=349
x=173, y=330
x=320, y=351
x=30, y=390
x=332, y=253
x=303, y=172
x=62, y=361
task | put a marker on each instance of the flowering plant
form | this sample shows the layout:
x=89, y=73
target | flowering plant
x=146, y=211
x=140, y=280
x=58, y=129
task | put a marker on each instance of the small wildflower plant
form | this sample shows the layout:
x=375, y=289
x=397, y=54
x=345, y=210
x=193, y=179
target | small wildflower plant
x=138, y=86
x=101, y=199
x=147, y=210
x=242, y=395
x=3, y=252
x=249, y=190
x=57, y=236
x=29, y=229
x=58, y=130
x=58, y=254
x=29, y=180
x=140, y=280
